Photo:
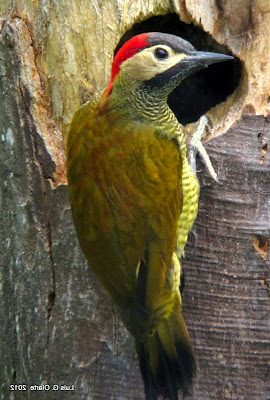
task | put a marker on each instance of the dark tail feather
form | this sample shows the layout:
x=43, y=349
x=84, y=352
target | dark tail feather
x=167, y=359
x=151, y=392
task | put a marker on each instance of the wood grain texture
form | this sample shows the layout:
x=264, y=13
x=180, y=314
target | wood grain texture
x=57, y=325
x=227, y=293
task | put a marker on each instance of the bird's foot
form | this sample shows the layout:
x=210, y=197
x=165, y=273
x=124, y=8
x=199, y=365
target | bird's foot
x=195, y=146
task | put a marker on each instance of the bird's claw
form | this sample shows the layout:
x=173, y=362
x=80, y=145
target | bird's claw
x=195, y=146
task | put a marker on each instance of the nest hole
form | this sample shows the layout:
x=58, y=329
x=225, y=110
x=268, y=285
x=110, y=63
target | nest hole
x=205, y=89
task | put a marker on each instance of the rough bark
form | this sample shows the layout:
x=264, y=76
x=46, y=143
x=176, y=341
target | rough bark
x=58, y=326
x=227, y=294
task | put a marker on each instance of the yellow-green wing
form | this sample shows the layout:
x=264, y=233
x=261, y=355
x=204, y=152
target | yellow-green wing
x=125, y=191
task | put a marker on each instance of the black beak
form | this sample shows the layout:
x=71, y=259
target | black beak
x=199, y=59
x=196, y=61
x=193, y=62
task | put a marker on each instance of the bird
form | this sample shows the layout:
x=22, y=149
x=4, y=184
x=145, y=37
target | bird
x=134, y=195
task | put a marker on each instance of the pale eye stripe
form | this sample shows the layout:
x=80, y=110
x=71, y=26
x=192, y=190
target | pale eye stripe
x=145, y=66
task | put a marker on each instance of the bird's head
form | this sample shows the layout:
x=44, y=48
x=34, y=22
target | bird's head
x=158, y=61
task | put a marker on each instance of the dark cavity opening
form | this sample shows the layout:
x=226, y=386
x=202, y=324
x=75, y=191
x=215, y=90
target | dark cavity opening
x=200, y=92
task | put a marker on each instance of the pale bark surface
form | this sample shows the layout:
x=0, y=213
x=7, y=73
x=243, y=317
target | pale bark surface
x=57, y=325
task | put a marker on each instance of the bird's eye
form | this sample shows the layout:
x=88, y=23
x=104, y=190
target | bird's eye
x=161, y=54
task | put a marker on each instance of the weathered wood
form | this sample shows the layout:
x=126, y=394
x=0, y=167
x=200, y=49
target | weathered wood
x=227, y=292
x=57, y=325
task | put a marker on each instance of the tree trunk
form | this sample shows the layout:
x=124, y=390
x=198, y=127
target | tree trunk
x=58, y=326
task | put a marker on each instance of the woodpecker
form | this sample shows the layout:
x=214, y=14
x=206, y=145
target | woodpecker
x=134, y=197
